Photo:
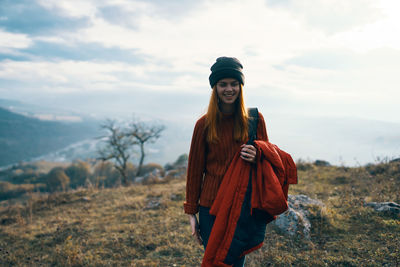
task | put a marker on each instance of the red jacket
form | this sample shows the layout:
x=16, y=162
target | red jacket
x=274, y=170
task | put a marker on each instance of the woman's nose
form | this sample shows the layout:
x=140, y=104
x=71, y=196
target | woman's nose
x=229, y=87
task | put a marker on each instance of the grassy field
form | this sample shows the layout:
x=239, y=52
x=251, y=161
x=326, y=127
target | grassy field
x=144, y=225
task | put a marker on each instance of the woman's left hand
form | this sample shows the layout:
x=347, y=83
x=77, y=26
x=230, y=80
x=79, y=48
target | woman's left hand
x=248, y=153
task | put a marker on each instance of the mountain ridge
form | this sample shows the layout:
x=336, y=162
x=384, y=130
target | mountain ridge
x=22, y=137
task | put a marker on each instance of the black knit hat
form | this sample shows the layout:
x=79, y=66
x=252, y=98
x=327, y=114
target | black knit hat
x=226, y=67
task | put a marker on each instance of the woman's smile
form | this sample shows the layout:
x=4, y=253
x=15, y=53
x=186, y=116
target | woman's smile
x=229, y=98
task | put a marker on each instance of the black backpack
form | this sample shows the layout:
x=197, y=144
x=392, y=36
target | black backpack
x=253, y=124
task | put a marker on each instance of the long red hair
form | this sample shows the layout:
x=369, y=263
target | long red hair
x=214, y=116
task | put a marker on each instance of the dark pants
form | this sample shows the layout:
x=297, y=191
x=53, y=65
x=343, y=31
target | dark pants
x=206, y=222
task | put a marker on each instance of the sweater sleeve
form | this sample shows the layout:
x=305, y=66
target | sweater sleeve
x=196, y=167
x=261, y=129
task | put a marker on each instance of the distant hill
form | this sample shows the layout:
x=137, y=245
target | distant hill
x=22, y=138
x=41, y=112
x=346, y=141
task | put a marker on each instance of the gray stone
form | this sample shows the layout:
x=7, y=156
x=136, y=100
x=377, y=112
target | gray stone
x=153, y=203
x=150, y=175
x=295, y=219
x=390, y=207
x=176, y=173
x=303, y=201
x=86, y=199
x=323, y=163
x=176, y=197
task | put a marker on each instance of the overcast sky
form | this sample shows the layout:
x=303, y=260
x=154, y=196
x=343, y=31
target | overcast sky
x=312, y=57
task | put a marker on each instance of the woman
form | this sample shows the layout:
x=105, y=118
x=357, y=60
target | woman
x=217, y=136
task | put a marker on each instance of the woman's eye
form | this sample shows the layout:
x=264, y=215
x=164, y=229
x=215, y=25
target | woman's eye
x=234, y=84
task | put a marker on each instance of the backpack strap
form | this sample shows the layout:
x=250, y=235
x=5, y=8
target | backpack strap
x=253, y=124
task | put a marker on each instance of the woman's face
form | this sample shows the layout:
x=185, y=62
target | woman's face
x=228, y=90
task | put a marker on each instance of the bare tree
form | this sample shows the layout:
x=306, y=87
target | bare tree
x=143, y=133
x=118, y=147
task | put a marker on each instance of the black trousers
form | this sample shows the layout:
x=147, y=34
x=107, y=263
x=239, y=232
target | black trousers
x=206, y=221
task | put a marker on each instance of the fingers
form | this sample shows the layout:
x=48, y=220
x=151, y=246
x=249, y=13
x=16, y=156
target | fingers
x=249, y=149
x=193, y=224
x=195, y=231
x=251, y=160
x=196, y=234
x=195, y=228
x=248, y=153
x=198, y=237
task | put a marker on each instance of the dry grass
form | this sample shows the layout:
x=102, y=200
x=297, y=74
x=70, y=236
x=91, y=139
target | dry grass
x=144, y=225
x=344, y=232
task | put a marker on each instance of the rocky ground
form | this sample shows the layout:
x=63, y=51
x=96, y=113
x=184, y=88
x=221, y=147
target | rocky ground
x=329, y=223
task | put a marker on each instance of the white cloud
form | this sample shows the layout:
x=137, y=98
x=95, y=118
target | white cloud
x=67, y=8
x=380, y=32
x=10, y=42
x=252, y=33
x=64, y=74
x=178, y=53
x=255, y=33
x=331, y=16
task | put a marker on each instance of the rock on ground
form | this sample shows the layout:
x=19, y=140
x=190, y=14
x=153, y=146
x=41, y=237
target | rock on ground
x=295, y=219
x=390, y=207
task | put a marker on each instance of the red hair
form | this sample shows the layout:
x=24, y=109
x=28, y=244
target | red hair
x=214, y=116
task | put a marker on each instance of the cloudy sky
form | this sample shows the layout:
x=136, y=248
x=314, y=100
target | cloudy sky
x=330, y=58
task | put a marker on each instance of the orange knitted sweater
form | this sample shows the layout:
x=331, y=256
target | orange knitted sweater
x=209, y=162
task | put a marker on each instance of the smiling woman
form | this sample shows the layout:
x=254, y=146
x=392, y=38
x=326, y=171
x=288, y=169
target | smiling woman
x=216, y=137
x=221, y=143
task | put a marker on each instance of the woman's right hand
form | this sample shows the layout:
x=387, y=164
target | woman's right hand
x=195, y=228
